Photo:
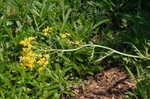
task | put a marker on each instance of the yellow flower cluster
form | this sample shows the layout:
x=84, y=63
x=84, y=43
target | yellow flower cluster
x=46, y=31
x=27, y=58
x=27, y=42
x=42, y=62
x=27, y=61
x=77, y=42
x=41, y=69
x=64, y=35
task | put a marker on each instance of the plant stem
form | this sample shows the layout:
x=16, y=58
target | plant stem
x=99, y=46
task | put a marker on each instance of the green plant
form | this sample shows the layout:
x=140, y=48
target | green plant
x=77, y=35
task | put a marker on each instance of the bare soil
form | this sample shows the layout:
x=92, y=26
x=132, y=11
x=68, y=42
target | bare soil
x=107, y=84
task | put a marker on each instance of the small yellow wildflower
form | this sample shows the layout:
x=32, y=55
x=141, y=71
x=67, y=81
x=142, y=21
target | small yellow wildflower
x=31, y=38
x=46, y=30
x=67, y=33
x=27, y=42
x=45, y=55
x=42, y=61
x=45, y=50
x=26, y=49
x=45, y=34
x=27, y=58
x=27, y=61
x=41, y=69
x=63, y=36
x=78, y=42
x=39, y=55
x=27, y=53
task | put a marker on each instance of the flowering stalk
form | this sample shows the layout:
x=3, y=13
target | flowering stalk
x=99, y=46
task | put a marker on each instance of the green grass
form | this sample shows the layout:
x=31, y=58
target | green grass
x=122, y=25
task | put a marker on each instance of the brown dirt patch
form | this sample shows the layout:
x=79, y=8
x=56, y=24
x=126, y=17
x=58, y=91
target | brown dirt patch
x=108, y=84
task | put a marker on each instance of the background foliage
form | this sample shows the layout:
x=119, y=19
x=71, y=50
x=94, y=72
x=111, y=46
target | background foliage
x=119, y=24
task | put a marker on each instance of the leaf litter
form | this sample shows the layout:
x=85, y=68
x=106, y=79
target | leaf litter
x=111, y=83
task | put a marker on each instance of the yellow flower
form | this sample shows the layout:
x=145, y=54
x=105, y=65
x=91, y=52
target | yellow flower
x=26, y=50
x=63, y=36
x=27, y=61
x=45, y=34
x=28, y=65
x=41, y=69
x=67, y=34
x=42, y=61
x=45, y=50
x=39, y=55
x=27, y=42
x=46, y=30
x=27, y=58
x=31, y=38
x=78, y=42
x=45, y=55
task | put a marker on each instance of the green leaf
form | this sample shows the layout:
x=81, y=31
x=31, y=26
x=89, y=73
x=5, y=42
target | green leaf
x=102, y=21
